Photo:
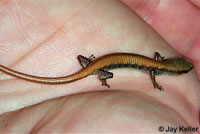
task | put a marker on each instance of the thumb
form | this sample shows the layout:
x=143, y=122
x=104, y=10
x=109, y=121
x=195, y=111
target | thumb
x=196, y=3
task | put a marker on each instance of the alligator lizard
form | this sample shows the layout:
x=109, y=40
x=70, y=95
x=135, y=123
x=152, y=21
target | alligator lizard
x=101, y=65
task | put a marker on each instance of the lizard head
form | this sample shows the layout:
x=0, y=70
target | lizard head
x=181, y=64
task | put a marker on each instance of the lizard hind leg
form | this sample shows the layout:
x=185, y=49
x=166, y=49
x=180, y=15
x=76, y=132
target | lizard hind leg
x=158, y=57
x=85, y=61
x=103, y=76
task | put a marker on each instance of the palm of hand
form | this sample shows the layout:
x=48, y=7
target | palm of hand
x=48, y=35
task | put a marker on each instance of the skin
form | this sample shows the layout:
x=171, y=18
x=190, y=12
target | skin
x=45, y=40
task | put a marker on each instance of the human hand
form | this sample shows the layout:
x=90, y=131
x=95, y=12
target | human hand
x=44, y=39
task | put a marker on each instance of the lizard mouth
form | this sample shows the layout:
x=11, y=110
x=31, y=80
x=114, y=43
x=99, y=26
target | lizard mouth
x=186, y=71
